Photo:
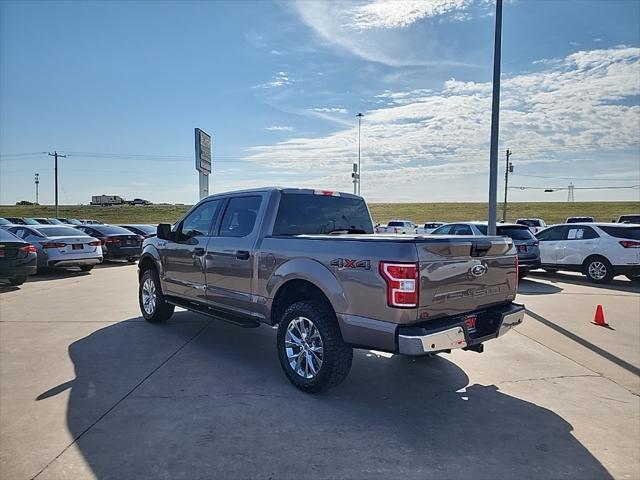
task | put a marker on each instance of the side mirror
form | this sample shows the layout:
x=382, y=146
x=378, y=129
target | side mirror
x=164, y=231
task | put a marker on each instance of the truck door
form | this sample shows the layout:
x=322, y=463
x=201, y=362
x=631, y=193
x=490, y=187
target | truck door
x=183, y=258
x=231, y=252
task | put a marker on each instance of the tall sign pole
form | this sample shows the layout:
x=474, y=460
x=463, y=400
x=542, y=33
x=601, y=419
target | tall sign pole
x=495, y=121
x=359, y=178
x=203, y=161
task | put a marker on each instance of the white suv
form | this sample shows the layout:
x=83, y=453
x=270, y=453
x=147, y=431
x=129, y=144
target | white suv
x=599, y=250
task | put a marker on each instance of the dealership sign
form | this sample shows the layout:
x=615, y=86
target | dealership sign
x=203, y=152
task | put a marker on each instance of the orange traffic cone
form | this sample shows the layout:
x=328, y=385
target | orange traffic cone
x=599, y=317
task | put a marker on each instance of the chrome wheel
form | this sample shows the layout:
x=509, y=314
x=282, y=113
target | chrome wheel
x=149, y=296
x=303, y=345
x=597, y=270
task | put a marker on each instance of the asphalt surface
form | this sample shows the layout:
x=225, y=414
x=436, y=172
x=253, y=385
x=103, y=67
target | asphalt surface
x=90, y=390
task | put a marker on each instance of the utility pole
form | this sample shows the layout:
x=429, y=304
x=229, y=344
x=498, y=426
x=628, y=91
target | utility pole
x=55, y=154
x=359, y=115
x=495, y=121
x=507, y=170
x=37, y=182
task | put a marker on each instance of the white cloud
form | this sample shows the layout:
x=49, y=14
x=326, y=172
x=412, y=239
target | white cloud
x=329, y=110
x=572, y=110
x=373, y=30
x=400, y=13
x=280, y=79
x=279, y=128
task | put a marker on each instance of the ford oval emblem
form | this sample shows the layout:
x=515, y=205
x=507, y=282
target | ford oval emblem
x=478, y=270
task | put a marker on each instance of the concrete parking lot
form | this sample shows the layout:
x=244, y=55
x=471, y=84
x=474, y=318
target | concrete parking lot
x=90, y=390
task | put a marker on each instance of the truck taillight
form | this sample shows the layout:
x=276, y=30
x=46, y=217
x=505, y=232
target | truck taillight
x=629, y=244
x=517, y=272
x=402, y=284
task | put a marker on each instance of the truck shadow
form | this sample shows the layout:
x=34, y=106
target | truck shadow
x=193, y=399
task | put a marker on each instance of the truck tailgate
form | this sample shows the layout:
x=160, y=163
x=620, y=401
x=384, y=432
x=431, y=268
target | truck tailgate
x=460, y=274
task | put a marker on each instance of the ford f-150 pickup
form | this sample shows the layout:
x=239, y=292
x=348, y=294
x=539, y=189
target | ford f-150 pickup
x=308, y=262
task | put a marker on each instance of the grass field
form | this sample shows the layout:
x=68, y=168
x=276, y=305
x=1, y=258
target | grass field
x=381, y=212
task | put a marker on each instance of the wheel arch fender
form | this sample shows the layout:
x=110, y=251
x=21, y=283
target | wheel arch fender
x=150, y=257
x=310, y=271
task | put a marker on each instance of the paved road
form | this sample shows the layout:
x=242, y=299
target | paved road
x=89, y=390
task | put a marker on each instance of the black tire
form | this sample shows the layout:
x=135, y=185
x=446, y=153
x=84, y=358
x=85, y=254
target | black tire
x=18, y=280
x=336, y=355
x=598, y=269
x=162, y=310
x=634, y=278
x=131, y=260
x=86, y=268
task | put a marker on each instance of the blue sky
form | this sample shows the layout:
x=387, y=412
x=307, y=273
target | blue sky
x=120, y=86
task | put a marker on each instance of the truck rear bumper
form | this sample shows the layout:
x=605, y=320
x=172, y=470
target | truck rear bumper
x=439, y=335
x=432, y=335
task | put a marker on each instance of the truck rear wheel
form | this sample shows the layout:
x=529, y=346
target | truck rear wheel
x=310, y=347
x=152, y=304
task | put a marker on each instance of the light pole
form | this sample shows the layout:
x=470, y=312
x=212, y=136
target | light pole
x=37, y=182
x=359, y=115
x=495, y=120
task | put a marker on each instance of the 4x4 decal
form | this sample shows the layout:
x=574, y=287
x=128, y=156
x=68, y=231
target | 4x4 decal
x=342, y=263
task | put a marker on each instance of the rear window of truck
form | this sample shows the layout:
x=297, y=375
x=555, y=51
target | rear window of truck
x=306, y=214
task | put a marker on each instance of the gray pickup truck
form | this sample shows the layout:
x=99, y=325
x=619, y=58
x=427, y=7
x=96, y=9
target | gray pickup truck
x=308, y=262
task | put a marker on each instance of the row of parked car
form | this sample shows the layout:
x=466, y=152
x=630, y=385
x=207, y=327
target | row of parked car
x=27, y=247
x=599, y=250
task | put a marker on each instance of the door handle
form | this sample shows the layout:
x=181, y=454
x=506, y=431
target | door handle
x=198, y=251
x=242, y=254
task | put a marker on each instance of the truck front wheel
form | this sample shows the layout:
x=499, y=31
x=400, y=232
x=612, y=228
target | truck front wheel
x=152, y=304
x=310, y=347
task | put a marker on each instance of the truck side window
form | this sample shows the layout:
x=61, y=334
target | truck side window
x=240, y=216
x=199, y=221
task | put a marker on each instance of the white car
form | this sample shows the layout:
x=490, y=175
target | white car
x=399, y=226
x=60, y=245
x=599, y=250
x=534, y=224
x=428, y=227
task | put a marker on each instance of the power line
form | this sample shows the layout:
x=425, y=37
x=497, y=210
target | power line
x=553, y=189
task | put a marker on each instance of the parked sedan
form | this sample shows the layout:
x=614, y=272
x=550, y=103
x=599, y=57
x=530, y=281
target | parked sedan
x=599, y=250
x=17, y=258
x=525, y=242
x=117, y=242
x=21, y=221
x=61, y=246
x=70, y=221
x=143, y=230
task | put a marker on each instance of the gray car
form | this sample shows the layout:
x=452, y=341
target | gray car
x=526, y=243
x=308, y=262
x=61, y=246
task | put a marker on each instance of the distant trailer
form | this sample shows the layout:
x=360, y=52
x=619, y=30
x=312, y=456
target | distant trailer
x=105, y=200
